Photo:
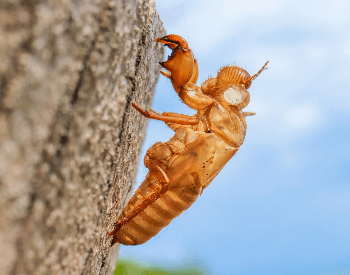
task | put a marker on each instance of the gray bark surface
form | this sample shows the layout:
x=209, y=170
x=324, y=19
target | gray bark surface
x=69, y=138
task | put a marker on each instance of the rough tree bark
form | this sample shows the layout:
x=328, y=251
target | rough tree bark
x=69, y=141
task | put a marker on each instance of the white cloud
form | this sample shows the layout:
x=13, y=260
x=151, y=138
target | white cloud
x=302, y=117
x=211, y=23
x=207, y=24
x=316, y=53
x=280, y=123
x=321, y=14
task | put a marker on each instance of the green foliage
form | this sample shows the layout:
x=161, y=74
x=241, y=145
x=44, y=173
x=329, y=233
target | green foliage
x=127, y=267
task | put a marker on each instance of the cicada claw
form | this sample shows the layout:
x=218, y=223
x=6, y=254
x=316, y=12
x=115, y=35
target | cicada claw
x=172, y=41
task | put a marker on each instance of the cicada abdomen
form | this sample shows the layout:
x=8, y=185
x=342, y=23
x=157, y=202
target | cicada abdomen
x=189, y=172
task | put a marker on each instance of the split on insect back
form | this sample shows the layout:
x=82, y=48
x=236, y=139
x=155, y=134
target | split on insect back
x=181, y=168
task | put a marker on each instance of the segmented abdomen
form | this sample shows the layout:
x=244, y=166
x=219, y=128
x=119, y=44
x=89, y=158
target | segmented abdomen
x=157, y=215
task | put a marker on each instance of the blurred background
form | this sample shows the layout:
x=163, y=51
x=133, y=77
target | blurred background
x=282, y=203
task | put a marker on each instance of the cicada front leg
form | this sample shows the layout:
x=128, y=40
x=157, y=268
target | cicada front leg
x=183, y=72
x=181, y=63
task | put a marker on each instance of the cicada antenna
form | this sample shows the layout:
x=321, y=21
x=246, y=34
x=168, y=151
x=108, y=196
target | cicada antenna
x=256, y=75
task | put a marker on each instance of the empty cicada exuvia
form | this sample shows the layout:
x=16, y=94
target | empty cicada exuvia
x=180, y=169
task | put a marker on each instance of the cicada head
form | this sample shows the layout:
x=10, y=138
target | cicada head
x=231, y=85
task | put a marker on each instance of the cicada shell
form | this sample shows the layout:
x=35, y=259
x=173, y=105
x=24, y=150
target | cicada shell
x=180, y=169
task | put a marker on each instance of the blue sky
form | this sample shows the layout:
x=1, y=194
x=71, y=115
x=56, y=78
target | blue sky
x=282, y=203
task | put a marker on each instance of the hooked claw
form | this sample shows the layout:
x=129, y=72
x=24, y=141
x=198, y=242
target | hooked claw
x=181, y=63
x=172, y=41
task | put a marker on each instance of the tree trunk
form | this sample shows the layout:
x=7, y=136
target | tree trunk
x=69, y=139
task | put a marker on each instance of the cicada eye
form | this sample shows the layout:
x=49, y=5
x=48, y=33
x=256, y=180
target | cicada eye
x=233, y=96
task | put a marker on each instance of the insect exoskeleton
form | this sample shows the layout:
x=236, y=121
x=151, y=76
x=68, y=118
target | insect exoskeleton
x=180, y=169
